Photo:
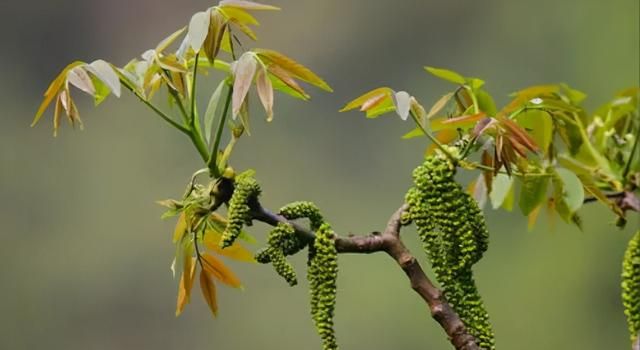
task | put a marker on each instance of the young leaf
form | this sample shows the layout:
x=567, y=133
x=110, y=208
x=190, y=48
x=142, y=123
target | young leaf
x=282, y=81
x=53, y=90
x=219, y=270
x=265, y=92
x=235, y=251
x=208, y=289
x=215, y=35
x=439, y=105
x=533, y=217
x=169, y=40
x=79, y=78
x=499, y=189
x=417, y=132
x=373, y=94
x=184, y=293
x=540, y=126
x=105, y=72
x=573, y=191
x=462, y=122
x=447, y=75
x=244, y=71
x=247, y=5
x=181, y=228
x=532, y=193
x=210, y=113
x=402, y=101
x=198, y=29
x=292, y=67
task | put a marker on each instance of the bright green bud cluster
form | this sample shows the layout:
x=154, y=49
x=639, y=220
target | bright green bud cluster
x=275, y=255
x=631, y=285
x=246, y=189
x=454, y=235
x=322, y=274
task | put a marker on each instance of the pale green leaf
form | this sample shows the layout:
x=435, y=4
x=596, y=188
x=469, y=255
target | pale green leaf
x=532, y=193
x=500, y=188
x=105, y=72
x=210, y=113
x=447, y=75
x=79, y=78
x=402, y=101
x=573, y=191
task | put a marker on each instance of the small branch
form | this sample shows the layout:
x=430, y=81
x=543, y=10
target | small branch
x=390, y=242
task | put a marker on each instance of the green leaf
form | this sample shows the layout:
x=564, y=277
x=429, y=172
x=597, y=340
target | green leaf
x=500, y=188
x=105, y=72
x=417, y=132
x=572, y=189
x=244, y=71
x=539, y=124
x=485, y=102
x=532, y=193
x=447, y=75
x=212, y=107
x=198, y=29
x=102, y=90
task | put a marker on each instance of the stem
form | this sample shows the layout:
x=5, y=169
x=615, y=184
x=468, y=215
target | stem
x=432, y=138
x=160, y=113
x=627, y=167
x=216, y=141
x=515, y=173
x=196, y=132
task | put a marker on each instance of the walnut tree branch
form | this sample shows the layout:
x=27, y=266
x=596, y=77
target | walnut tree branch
x=389, y=241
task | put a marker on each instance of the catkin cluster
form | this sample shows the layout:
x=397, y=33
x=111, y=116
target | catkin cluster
x=454, y=235
x=322, y=265
x=631, y=285
x=246, y=189
x=322, y=274
x=274, y=252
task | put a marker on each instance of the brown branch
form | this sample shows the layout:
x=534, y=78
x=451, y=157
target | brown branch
x=389, y=241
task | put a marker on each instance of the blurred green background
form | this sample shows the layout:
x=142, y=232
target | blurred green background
x=86, y=258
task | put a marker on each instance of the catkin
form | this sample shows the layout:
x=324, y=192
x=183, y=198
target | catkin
x=322, y=274
x=631, y=285
x=246, y=189
x=454, y=236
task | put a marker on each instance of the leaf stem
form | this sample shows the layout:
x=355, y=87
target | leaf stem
x=160, y=113
x=432, y=138
x=627, y=167
x=216, y=141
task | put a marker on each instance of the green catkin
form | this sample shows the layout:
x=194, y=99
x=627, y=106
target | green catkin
x=454, y=235
x=274, y=253
x=322, y=274
x=246, y=188
x=631, y=285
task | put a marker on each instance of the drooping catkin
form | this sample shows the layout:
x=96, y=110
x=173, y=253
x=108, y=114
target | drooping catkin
x=631, y=285
x=322, y=274
x=246, y=189
x=454, y=235
x=274, y=254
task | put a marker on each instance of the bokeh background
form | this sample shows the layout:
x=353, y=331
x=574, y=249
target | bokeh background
x=85, y=257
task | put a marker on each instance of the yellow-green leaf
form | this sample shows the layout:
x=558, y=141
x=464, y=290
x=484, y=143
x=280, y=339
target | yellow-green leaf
x=446, y=74
x=294, y=68
x=247, y=5
x=53, y=90
x=282, y=81
x=359, y=101
x=235, y=251
x=439, y=105
x=169, y=40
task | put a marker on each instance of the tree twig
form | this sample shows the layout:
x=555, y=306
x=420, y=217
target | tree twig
x=389, y=241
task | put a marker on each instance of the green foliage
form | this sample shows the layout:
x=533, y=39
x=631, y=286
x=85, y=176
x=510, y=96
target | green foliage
x=322, y=274
x=454, y=234
x=631, y=285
